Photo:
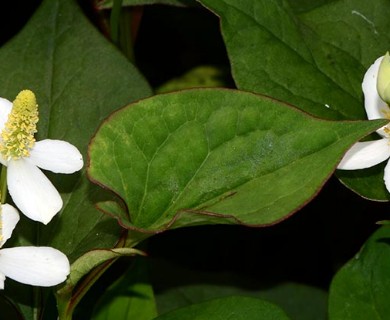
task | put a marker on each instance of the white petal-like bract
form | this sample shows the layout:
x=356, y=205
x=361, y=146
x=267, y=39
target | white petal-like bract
x=5, y=109
x=386, y=176
x=32, y=191
x=9, y=219
x=2, y=279
x=37, y=266
x=57, y=156
x=365, y=154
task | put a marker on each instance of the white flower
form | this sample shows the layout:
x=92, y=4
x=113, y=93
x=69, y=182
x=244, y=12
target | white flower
x=38, y=266
x=370, y=153
x=31, y=191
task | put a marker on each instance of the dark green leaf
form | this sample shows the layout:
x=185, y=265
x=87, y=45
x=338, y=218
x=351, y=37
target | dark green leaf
x=269, y=55
x=178, y=286
x=315, y=60
x=300, y=6
x=356, y=28
x=368, y=183
x=361, y=289
x=298, y=301
x=234, y=307
x=79, y=78
x=130, y=297
x=106, y=4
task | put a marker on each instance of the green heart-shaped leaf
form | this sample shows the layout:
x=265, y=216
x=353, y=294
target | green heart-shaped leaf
x=215, y=156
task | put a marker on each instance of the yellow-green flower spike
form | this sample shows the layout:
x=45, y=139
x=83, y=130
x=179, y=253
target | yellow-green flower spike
x=383, y=80
x=18, y=133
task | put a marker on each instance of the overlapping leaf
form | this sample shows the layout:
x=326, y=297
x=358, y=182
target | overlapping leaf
x=298, y=301
x=234, y=307
x=315, y=60
x=215, y=156
x=129, y=297
x=325, y=62
x=360, y=290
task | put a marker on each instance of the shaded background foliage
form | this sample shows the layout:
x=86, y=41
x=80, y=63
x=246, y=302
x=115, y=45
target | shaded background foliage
x=307, y=248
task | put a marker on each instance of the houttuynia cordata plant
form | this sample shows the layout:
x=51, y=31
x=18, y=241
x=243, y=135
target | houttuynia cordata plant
x=182, y=159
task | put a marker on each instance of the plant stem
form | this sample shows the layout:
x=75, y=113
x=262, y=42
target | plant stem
x=37, y=302
x=114, y=20
x=3, y=184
